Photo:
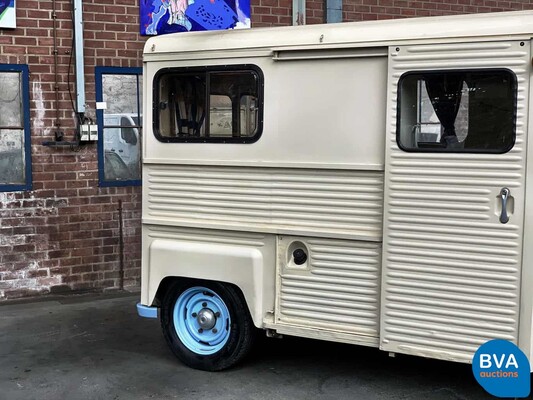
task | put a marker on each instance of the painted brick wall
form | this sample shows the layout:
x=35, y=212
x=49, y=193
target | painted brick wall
x=64, y=234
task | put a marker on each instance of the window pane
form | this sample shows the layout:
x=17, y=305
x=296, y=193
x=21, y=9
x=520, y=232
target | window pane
x=121, y=156
x=12, y=163
x=200, y=106
x=120, y=93
x=10, y=100
x=122, y=127
x=182, y=105
x=234, y=86
x=457, y=111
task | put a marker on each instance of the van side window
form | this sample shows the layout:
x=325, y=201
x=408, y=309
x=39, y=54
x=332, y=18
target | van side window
x=119, y=125
x=457, y=111
x=215, y=104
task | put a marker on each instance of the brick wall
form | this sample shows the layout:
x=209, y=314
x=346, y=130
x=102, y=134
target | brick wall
x=64, y=234
x=279, y=12
x=363, y=10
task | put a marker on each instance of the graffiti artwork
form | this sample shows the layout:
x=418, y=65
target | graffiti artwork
x=7, y=14
x=169, y=16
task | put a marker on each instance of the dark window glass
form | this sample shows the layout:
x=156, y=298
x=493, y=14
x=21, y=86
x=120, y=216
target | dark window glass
x=208, y=105
x=457, y=111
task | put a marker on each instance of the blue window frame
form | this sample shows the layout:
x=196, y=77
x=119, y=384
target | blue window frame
x=119, y=118
x=15, y=146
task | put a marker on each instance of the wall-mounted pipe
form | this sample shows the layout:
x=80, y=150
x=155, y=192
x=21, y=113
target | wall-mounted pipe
x=78, y=51
x=58, y=134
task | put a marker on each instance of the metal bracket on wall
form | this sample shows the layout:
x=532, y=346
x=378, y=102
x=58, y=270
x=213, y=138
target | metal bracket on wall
x=59, y=142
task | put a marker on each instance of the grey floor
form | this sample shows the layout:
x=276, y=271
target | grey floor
x=95, y=347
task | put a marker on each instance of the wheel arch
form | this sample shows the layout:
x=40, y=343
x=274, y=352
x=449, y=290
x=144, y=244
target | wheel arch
x=247, y=268
x=168, y=282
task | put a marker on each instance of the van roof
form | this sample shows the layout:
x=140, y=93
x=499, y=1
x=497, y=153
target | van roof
x=367, y=33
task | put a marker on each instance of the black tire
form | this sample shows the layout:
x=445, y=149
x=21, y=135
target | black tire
x=241, y=329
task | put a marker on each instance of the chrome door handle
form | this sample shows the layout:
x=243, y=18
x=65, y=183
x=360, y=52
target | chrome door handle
x=504, y=194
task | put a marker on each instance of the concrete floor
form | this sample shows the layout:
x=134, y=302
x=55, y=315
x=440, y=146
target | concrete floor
x=95, y=347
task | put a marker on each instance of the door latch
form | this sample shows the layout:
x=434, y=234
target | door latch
x=504, y=194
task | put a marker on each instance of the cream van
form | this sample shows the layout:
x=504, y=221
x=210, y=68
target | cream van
x=368, y=184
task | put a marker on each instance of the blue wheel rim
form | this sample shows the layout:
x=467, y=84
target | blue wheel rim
x=190, y=311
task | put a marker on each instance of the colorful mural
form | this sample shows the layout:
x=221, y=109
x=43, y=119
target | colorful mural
x=7, y=14
x=169, y=16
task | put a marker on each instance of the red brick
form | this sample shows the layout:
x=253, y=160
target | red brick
x=38, y=14
x=25, y=41
x=14, y=49
x=38, y=273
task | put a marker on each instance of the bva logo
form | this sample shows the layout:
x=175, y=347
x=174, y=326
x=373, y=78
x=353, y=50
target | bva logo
x=502, y=369
x=486, y=361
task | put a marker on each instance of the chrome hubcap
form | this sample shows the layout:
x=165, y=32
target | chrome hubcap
x=206, y=319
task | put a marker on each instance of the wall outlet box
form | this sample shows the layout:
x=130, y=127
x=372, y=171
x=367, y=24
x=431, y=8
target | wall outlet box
x=84, y=133
x=93, y=132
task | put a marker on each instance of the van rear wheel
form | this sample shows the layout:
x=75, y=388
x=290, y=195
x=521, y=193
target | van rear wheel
x=206, y=324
